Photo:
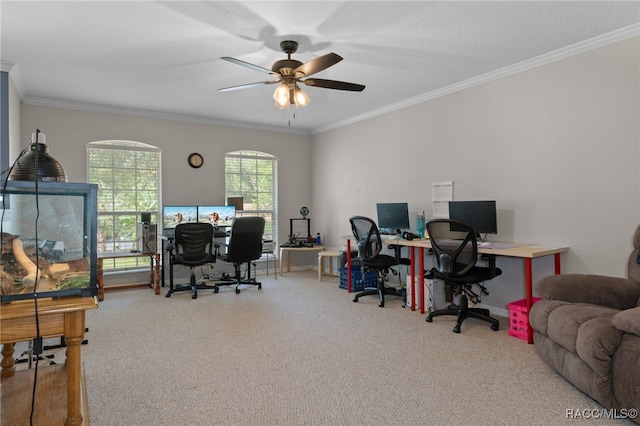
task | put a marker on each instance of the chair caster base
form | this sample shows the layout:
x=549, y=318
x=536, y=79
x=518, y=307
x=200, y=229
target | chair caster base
x=237, y=290
x=495, y=327
x=429, y=319
x=456, y=329
x=381, y=304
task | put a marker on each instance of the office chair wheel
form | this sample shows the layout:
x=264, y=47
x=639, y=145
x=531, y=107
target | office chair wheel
x=429, y=319
x=355, y=299
x=456, y=328
x=194, y=296
x=495, y=327
x=381, y=304
x=216, y=289
x=237, y=290
x=168, y=294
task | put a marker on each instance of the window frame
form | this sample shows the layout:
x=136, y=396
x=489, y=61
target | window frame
x=249, y=195
x=126, y=264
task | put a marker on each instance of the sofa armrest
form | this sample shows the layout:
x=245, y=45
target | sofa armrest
x=613, y=292
x=628, y=321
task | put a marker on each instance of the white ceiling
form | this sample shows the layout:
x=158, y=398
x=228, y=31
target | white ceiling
x=163, y=58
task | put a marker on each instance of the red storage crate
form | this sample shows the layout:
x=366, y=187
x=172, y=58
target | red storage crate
x=519, y=318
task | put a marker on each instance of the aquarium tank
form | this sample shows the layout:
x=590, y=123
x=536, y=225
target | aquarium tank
x=48, y=245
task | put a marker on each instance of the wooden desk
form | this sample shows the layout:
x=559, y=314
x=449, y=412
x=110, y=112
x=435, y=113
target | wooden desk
x=288, y=251
x=154, y=269
x=57, y=317
x=523, y=251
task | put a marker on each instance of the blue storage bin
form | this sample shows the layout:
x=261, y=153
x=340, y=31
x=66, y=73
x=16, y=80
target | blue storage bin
x=357, y=281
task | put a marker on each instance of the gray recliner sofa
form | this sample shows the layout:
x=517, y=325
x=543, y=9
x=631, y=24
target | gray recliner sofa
x=587, y=328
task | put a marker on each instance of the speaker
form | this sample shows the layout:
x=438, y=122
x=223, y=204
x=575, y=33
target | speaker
x=145, y=217
x=148, y=235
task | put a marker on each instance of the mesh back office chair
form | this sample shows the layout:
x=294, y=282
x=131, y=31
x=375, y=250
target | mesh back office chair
x=455, y=247
x=245, y=246
x=192, y=246
x=369, y=247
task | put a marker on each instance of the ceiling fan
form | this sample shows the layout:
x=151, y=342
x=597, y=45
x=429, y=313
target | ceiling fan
x=289, y=72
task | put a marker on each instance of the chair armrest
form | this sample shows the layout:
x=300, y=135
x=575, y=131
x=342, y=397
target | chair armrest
x=614, y=292
x=628, y=321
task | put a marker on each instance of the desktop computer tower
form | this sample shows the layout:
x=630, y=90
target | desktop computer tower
x=147, y=237
x=434, y=295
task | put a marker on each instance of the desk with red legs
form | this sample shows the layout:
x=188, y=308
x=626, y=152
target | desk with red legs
x=523, y=251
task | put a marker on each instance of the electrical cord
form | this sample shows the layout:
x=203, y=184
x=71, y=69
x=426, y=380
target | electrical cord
x=37, y=341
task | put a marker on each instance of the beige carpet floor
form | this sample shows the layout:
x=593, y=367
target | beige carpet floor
x=300, y=352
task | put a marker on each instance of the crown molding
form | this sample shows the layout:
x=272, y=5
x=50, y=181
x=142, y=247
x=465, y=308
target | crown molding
x=157, y=115
x=557, y=55
x=12, y=69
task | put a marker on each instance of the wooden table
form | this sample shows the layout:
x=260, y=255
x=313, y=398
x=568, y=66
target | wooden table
x=57, y=317
x=289, y=250
x=154, y=269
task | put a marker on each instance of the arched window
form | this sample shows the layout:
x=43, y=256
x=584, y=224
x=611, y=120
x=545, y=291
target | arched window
x=254, y=176
x=128, y=178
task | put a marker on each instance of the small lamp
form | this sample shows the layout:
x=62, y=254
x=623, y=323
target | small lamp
x=48, y=169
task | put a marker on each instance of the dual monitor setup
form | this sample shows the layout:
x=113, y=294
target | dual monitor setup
x=217, y=215
x=394, y=217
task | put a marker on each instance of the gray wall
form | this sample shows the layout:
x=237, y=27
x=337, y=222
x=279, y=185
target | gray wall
x=558, y=147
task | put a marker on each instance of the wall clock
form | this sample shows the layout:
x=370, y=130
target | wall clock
x=195, y=160
x=304, y=211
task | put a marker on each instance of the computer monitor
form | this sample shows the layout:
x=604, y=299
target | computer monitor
x=218, y=216
x=173, y=215
x=393, y=217
x=479, y=214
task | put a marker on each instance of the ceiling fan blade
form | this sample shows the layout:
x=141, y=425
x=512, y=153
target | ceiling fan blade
x=246, y=86
x=316, y=65
x=333, y=84
x=250, y=66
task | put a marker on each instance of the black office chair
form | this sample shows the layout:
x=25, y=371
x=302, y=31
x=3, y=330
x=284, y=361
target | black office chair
x=369, y=247
x=192, y=246
x=455, y=248
x=245, y=246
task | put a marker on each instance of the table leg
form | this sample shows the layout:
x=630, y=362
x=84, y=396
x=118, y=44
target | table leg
x=348, y=265
x=100, y=281
x=8, y=362
x=320, y=267
x=412, y=260
x=281, y=254
x=421, y=280
x=529, y=289
x=73, y=336
x=156, y=278
x=288, y=260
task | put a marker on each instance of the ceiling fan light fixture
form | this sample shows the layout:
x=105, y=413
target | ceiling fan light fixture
x=301, y=98
x=281, y=96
